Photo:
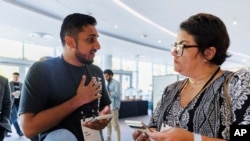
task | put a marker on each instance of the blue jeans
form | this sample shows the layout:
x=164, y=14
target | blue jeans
x=14, y=121
x=63, y=135
x=60, y=135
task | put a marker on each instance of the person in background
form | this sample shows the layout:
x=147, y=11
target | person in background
x=114, y=91
x=5, y=107
x=61, y=94
x=15, y=90
x=45, y=58
x=198, y=108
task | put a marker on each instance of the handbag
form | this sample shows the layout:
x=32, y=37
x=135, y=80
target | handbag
x=226, y=93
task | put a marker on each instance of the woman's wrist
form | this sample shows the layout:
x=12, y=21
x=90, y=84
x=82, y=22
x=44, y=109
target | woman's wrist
x=197, y=137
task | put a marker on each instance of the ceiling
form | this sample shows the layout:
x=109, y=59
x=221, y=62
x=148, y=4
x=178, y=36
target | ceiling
x=133, y=29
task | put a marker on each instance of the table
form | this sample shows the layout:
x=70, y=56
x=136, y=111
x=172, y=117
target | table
x=132, y=108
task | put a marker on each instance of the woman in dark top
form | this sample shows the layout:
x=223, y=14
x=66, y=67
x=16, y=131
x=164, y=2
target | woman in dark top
x=198, y=108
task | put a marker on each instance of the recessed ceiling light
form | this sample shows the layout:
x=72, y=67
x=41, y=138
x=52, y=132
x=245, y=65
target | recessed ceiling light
x=116, y=26
x=235, y=22
x=144, y=36
x=159, y=41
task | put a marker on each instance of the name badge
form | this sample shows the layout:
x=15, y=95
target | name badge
x=90, y=134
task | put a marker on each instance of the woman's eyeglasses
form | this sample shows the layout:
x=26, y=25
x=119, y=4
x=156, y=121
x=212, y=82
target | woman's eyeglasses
x=178, y=48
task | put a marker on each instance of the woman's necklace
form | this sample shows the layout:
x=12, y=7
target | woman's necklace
x=202, y=81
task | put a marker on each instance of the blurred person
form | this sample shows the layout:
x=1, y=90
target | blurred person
x=5, y=107
x=45, y=58
x=15, y=90
x=198, y=108
x=114, y=91
x=59, y=93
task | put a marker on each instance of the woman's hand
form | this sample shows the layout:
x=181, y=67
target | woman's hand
x=140, y=136
x=172, y=134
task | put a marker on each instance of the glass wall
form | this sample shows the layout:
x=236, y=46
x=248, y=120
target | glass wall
x=18, y=56
x=11, y=48
x=35, y=52
x=135, y=75
x=7, y=70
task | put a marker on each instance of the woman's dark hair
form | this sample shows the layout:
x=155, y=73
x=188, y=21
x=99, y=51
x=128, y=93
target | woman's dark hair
x=208, y=30
x=74, y=23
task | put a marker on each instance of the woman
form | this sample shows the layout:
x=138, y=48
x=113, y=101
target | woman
x=196, y=108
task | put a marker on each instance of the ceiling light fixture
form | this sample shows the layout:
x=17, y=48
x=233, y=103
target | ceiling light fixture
x=144, y=35
x=235, y=22
x=41, y=35
x=139, y=56
x=239, y=54
x=133, y=12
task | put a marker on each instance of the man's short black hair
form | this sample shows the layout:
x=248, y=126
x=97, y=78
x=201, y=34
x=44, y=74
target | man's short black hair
x=108, y=71
x=15, y=73
x=73, y=24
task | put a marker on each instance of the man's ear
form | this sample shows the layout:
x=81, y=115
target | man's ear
x=70, y=41
x=210, y=53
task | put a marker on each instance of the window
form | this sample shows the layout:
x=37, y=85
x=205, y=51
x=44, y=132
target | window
x=10, y=48
x=35, y=52
x=128, y=65
x=7, y=70
x=145, y=76
x=116, y=63
x=159, y=69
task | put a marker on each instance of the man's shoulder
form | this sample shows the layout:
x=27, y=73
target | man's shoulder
x=51, y=63
x=2, y=78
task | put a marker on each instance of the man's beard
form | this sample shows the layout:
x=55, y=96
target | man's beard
x=81, y=58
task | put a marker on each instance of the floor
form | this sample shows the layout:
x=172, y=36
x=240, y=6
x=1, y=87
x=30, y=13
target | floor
x=126, y=132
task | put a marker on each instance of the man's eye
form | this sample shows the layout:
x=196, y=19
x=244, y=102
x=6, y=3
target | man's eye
x=90, y=40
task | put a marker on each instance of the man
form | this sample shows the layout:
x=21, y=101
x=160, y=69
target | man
x=114, y=91
x=5, y=106
x=15, y=89
x=61, y=92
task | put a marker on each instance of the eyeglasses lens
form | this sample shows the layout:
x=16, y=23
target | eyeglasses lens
x=177, y=49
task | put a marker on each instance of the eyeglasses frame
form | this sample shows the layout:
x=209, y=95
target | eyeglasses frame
x=181, y=46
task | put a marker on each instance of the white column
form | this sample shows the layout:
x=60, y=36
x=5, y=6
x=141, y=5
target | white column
x=106, y=62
